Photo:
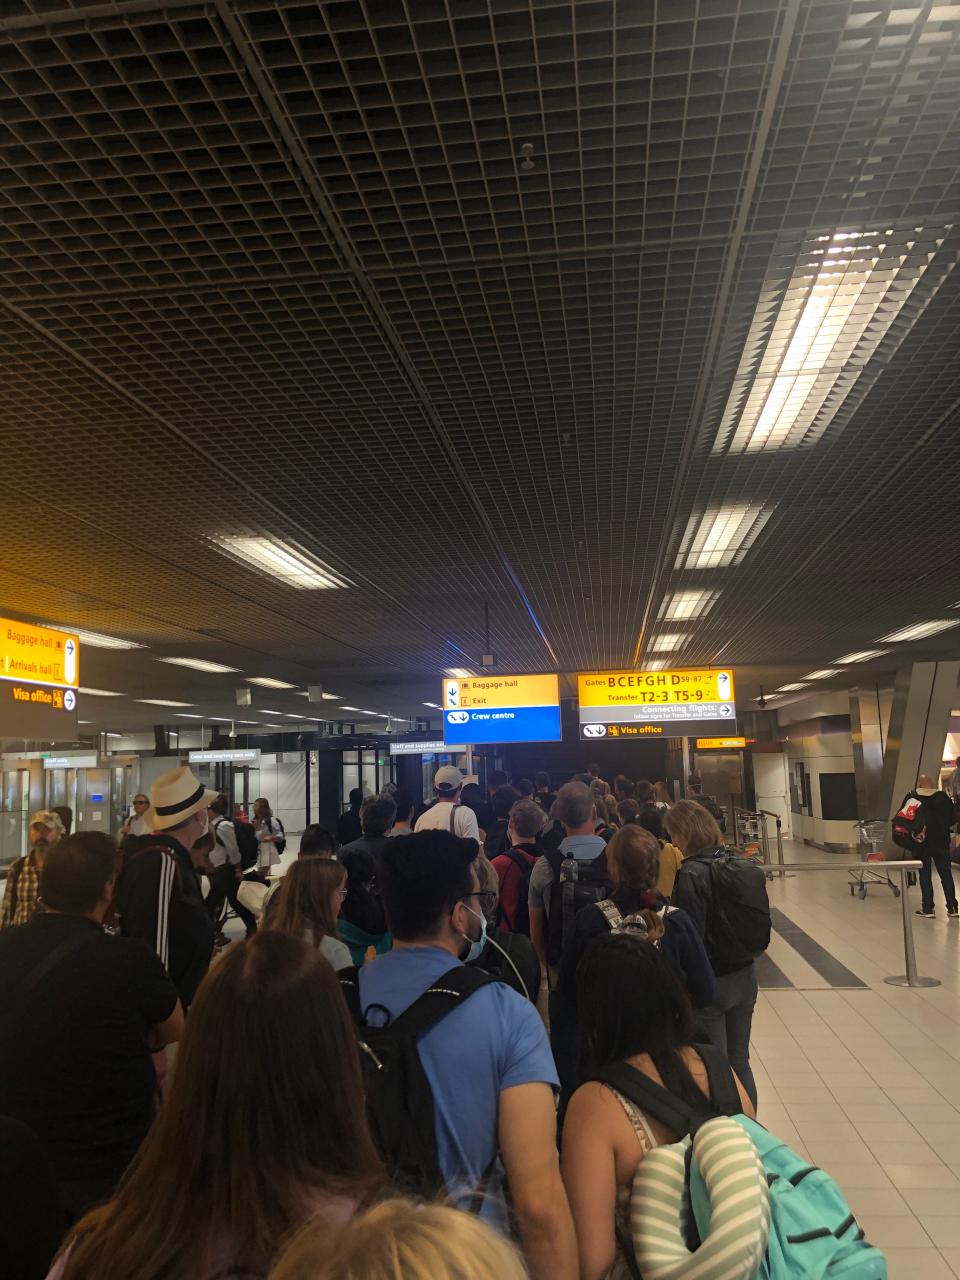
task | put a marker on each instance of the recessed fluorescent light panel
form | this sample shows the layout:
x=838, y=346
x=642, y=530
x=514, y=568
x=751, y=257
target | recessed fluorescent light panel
x=920, y=630
x=436, y=705
x=657, y=664
x=681, y=605
x=823, y=674
x=722, y=535
x=282, y=560
x=821, y=320
x=790, y=688
x=327, y=697
x=862, y=655
x=188, y=715
x=163, y=702
x=99, y=693
x=94, y=638
x=200, y=664
x=666, y=643
x=268, y=682
x=459, y=673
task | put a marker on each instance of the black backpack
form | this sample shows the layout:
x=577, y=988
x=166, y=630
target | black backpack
x=909, y=826
x=738, y=919
x=400, y=1104
x=522, y=923
x=567, y=898
x=282, y=838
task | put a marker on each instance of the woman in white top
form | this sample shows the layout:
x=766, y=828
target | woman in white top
x=307, y=905
x=269, y=832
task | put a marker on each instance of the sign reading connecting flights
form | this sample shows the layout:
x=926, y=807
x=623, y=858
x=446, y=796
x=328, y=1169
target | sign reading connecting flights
x=40, y=669
x=633, y=704
x=501, y=709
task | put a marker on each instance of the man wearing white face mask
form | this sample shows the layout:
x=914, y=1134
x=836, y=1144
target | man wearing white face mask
x=157, y=895
x=488, y=1061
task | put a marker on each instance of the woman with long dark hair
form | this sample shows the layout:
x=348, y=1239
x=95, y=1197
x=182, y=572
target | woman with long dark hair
x=307, y=905
x=231, y=1168
x=633, y=1010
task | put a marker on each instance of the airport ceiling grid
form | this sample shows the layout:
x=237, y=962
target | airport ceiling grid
x=290, y=259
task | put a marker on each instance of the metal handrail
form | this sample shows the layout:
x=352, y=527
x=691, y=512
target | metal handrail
x=911, y=978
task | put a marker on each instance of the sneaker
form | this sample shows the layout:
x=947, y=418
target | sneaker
x=954, y=914
x=927, y=915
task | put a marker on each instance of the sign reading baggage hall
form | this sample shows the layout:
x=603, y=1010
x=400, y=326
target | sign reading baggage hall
x=39, y=675
x=653, y=703
x=487, y=709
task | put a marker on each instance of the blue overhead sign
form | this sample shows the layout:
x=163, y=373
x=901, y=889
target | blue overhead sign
x=488, y=709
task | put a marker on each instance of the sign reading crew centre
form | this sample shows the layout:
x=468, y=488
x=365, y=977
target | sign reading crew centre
x=488, y=709
x=652, y=704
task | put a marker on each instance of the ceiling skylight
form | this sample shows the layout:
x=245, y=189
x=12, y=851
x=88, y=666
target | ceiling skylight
x=920, y=630
x=281, y=560
x=817, y=333
x=200, y=664
x=680, y=605
x=862, y=655
x=722, y=535
x=667, y=642
x=268, y=682
x=823, y=674
x=94, y=638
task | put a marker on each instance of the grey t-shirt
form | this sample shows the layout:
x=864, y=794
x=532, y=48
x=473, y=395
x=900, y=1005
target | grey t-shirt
x=583, y=848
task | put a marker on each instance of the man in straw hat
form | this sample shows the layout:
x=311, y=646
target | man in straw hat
x=157, y=896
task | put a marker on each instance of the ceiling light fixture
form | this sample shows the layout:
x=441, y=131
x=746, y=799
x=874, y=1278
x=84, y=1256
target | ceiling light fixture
x=459, y=673
x=189, y=715
x=819, y=324
x=722, y=535
x=327, y=697
x=790, y=688
x=99, y=693
x=94, y=638
x=667, y=642
x=281, y=560
x=658, y=664
x=436, y=705
x=862, y=655
x=920, y=630
x=349, y=708
x=681, y=605
x=268, y=682
x=823, y=674
x=163, y=702
x=200, y=664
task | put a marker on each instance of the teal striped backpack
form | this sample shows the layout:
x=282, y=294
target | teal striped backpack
x=731, y=1201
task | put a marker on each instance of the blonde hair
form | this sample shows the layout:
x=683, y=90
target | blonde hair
x=633, y=861
x=303, y=902
x=399, y=1240
x=693, y=824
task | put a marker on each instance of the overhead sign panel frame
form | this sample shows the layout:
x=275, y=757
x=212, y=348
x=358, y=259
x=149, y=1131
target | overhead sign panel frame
x=425, y=748
x=39, y=655
x=225, y=755
x=507, y=708
x=673, y=703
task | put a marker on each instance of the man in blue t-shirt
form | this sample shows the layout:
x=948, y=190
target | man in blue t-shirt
x=488, y=1061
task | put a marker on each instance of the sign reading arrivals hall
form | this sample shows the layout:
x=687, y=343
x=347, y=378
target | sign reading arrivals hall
x=39, y=675
x=487, y=709
x=632, y=704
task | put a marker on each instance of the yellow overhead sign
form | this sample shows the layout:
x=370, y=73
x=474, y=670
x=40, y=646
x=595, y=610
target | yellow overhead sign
x=718, y=744
x=655, y=688
x=39, y=655
x=500, y=691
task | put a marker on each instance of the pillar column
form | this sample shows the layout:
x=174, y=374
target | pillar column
x=866, y=729
x=923, y=697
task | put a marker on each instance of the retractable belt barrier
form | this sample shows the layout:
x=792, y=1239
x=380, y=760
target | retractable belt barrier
x=911, y=978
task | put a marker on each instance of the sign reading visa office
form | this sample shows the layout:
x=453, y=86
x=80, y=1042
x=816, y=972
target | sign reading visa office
x=39, y=675
x=632, y=704
x=488, y=709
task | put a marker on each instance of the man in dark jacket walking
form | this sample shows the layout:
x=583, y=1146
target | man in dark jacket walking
x=157, y=895
x=934, y=851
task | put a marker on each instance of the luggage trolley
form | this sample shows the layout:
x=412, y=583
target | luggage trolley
x=873, y=832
